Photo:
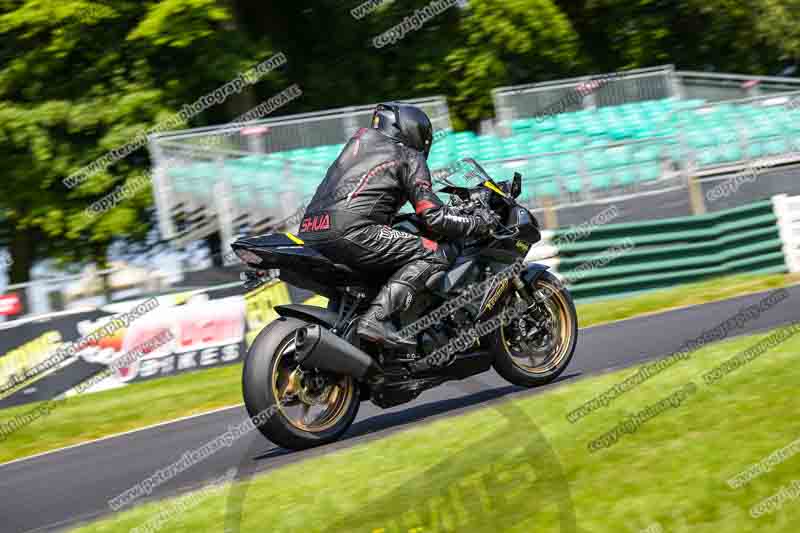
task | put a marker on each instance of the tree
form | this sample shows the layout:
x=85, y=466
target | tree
x=82, y=78
x=503, y=42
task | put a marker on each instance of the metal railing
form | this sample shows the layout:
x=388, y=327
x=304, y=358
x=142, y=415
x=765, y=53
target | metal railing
x=715, y=87
x=595, y=174
x=728, y=136
x=233, y=177
x=653, y=83
x=536, y=99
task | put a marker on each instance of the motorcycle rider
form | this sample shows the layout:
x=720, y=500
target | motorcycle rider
x=349, y=218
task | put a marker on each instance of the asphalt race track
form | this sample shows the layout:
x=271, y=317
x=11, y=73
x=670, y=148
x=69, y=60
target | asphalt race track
x=57, y=490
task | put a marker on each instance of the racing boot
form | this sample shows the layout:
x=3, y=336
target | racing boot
x=396, y=297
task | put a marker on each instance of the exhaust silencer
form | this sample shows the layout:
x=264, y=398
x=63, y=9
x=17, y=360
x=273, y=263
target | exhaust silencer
x=317, y=347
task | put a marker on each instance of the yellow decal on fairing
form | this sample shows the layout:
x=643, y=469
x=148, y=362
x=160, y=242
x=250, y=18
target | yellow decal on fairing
x=492, y=186
x=294, y=239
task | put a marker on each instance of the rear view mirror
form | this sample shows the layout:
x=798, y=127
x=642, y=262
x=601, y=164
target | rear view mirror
x=516, y=185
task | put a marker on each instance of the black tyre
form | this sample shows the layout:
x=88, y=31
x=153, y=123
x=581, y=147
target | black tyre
x=535, y=348
x=298, y=409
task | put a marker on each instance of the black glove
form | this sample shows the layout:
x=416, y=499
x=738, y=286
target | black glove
x=485, y=222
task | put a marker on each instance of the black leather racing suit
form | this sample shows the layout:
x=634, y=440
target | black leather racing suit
x=349, y=218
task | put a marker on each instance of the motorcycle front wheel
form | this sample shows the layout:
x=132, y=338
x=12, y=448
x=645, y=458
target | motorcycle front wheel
x=534, y=348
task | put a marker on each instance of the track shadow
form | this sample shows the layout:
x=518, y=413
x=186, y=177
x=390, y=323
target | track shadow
x=420, y=412
x=501, y=461
x=383, y=421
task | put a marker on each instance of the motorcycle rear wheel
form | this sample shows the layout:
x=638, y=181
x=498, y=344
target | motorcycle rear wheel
x=298, y=409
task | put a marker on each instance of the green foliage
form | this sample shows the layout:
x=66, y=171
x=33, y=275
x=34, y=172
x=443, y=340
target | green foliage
x=80, y=78
x=777, y=21
x=502, y=42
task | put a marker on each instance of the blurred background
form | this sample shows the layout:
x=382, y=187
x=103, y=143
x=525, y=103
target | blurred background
x=140, y=138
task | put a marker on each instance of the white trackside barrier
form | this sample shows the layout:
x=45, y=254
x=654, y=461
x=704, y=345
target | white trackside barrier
x=787, y=209
x=544, y=252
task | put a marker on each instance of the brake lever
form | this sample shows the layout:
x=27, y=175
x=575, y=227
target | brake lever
x=502, y=237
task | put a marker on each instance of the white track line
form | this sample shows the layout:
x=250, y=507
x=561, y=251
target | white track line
x=57, y=450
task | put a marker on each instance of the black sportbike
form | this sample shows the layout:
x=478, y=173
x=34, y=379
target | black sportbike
x=307, y=372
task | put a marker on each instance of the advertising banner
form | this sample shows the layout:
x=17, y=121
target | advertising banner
x=208, y=329
x=10, y=304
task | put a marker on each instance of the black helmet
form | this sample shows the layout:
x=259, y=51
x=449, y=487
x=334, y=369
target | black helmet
x=405, y=123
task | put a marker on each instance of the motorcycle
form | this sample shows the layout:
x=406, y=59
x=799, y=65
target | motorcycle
x=310, y=371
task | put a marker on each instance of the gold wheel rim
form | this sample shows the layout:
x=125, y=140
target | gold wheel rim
x=313, y=412
x=556, y=306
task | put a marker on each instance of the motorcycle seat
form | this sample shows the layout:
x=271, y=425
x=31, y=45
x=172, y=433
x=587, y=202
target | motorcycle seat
x=279, y=251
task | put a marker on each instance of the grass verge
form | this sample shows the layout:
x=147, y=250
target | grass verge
x=712, y=290
x=483, y=471
x=92, y=416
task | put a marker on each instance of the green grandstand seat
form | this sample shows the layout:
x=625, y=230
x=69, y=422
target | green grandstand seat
x=596, y=160
x=546, y=143
x=624, y=176
x=648, y=152
x=515, y=150
x=709, y=155
x=489, y=154
x=755, y=149
x=762, y=129
x=599, y=142
x=546, y=188
x=601, y=180
x=595, y=127
x=649, y=171
x=700, y=138
x=204, y=170
x=776, y=146
x=731, y=152
x=542, y=167
x=463, y=137
x=618, y=155
x=620, y=130
x=525, y=125
x=572, y=183
x=545, y=124
x=570, y=143
x=567, y=124
x=568, y=164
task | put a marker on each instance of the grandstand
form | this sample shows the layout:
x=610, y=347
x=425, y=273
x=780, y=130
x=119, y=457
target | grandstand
x=635, y=136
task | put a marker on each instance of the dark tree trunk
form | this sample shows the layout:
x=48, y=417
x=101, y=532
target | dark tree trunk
x=22, y=248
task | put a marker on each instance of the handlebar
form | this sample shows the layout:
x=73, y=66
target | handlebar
x=499, y=236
